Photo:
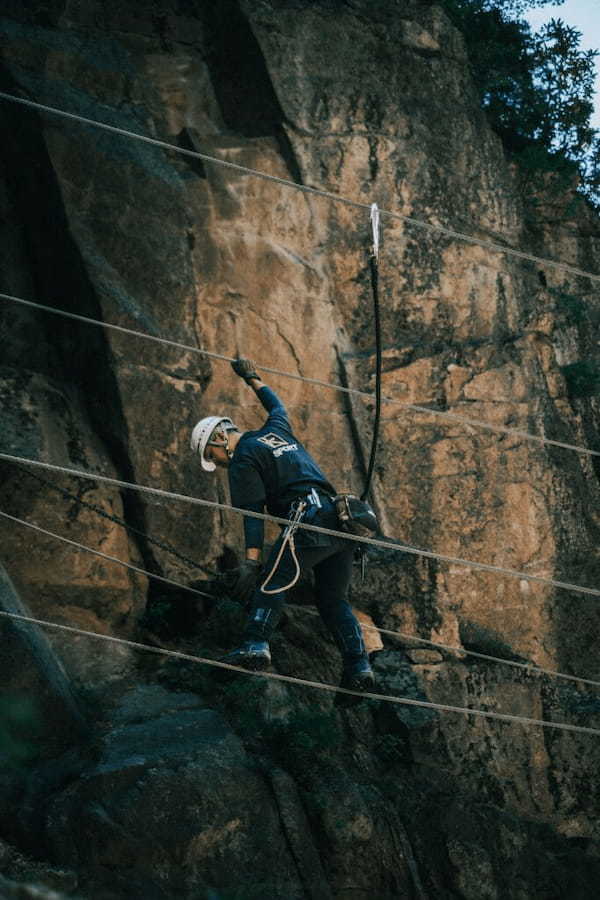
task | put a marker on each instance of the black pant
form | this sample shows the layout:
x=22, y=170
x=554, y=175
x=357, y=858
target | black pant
x=331, y=561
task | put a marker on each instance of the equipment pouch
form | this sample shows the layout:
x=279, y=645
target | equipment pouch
x=355, y=515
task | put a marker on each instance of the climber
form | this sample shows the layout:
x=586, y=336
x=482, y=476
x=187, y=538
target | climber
x=270, y=468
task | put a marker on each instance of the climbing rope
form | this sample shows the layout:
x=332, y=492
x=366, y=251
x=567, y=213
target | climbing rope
x=319, y=685
x=374, y=270
x=386, y=544
x=287, y=540
x=530, y=668
x=244, y=170
x=111, y=517
x=425, y=410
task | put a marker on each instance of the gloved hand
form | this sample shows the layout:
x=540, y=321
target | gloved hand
x=245, y=368
x=241, y=582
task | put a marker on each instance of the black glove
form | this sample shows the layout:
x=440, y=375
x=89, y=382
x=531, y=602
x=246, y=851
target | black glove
x=245, y=368
x=240, y=583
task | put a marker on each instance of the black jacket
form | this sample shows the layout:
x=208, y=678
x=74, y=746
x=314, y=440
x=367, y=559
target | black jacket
x=270, y=468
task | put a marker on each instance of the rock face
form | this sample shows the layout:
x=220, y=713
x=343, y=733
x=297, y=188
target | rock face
x=178, y=768
x=193, y=787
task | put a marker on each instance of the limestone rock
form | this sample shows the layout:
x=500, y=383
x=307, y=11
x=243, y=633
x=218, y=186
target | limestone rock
x=424, y=657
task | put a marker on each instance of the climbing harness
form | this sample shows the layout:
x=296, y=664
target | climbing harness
x=529, y=668
x=389, y=544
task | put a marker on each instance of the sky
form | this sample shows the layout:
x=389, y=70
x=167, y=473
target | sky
x=584, y=15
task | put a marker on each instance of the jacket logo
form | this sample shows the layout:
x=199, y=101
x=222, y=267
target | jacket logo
x=286, y=449
x=272, y=440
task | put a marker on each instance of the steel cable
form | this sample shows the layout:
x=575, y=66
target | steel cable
x=290, y=679
x=425, y=225
x=306, y=189
x=436, y=413
x=163, y=545
x=387, y=544
x=105, y=556
x=529, y=667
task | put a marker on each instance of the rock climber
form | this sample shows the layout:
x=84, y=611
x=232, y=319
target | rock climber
x=270, y=468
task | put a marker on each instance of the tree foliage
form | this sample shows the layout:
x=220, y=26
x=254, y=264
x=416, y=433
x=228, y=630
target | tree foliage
x=517, y=8
x=537, y=87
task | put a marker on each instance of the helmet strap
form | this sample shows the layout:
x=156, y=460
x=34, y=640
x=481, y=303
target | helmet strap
x=228, y=449
x=224, y=443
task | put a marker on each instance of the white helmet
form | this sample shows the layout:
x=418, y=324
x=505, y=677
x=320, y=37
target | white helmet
x=202, y=434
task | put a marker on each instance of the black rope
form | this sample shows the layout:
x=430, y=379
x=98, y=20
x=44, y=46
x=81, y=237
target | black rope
x=168, y=548
x=375, y=290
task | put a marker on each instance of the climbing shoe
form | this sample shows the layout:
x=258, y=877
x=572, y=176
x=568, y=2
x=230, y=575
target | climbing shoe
x=251, y=655
x=357, y=676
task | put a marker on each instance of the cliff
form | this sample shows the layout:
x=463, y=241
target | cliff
x=180, y=783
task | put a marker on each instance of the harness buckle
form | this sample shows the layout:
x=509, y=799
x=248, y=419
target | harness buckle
x=314, y=499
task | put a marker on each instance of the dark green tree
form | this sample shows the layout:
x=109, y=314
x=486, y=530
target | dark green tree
x=537, y=88
x=563, y=75
x=517, y=8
